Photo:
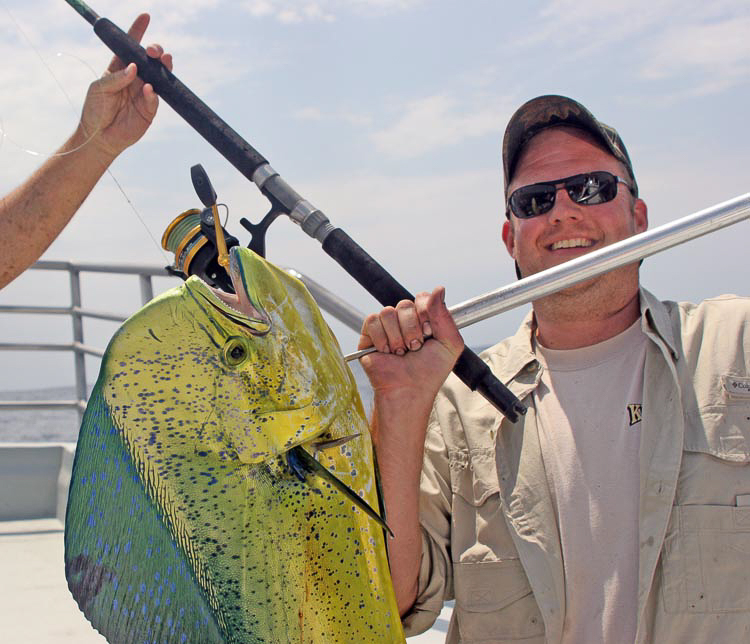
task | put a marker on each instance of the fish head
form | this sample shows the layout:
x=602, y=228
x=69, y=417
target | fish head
x=247, y=376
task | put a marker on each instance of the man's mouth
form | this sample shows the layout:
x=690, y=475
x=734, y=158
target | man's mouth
x=577, y=242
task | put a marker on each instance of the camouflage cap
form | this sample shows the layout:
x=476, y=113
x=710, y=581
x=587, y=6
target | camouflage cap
x=550, y=110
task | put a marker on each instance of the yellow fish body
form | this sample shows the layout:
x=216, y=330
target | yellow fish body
x=185, y=522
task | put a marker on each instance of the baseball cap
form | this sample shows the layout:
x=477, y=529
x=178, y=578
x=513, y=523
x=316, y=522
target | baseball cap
x=550, y=110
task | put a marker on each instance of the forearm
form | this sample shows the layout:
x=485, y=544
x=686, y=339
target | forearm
x=34, y=214
x=399, y=425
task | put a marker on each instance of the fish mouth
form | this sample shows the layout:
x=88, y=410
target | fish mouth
x=243, y=306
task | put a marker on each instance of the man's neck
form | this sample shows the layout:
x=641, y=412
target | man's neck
x=575, y=326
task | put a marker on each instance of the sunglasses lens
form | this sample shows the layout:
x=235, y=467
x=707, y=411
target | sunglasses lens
x=593, y=188
x=587, y=189
x=534, y=200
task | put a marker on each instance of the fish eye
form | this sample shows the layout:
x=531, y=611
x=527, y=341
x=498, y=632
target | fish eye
x=235, y=352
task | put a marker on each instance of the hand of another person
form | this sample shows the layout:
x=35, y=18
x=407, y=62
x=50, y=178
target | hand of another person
x=119, y=107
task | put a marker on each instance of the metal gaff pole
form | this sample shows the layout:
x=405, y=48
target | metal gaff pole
x=600, y=261
x=597, y=262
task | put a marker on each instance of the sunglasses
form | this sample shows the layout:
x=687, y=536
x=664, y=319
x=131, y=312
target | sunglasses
x=588, y=189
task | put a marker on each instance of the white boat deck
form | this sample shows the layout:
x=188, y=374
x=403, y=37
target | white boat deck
x=35, y=604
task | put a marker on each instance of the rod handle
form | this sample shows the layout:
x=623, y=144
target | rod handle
x=182, y=100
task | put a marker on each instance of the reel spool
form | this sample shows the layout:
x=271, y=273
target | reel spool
x=191, y=236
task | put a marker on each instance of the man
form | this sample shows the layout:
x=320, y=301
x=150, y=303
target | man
x=117, y=112
x=617, y=509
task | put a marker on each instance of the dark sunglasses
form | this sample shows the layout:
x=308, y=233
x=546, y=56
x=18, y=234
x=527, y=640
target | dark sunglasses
x=587, y=189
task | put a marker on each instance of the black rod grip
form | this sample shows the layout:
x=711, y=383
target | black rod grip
x=469, y=367
x=182, y=100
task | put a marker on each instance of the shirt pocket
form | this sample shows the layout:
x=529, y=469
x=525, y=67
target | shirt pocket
x=478, y=528
x=494, y=601
x=706, y=560
x=495, y=605
x=706, y=554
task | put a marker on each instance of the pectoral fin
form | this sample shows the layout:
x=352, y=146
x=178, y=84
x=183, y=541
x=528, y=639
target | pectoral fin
x=336, y=442
x=301, y=456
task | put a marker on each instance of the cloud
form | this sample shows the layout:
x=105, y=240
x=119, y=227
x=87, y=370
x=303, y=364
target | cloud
x=437, y=121
x=669, y=39
x=296, y=11
x=718, y=52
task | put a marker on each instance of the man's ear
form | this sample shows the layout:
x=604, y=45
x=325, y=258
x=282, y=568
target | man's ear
x=640, y=213
x=509, y=238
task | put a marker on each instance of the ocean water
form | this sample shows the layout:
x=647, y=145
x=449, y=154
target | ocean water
x=62, y=425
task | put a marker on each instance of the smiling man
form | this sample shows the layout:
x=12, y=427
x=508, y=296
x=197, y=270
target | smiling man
x=618, y=509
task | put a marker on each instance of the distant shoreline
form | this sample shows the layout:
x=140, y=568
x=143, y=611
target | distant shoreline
x=61, y=425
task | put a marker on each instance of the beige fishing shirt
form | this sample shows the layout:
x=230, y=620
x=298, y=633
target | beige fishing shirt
x=490, y=538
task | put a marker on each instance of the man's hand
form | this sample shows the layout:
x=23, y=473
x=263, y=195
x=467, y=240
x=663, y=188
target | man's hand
x=119, y=107
x=418, y=344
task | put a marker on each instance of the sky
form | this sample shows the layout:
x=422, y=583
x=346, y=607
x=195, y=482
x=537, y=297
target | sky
x=388, y=115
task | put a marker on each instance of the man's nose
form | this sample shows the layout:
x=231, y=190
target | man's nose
x=564, y=207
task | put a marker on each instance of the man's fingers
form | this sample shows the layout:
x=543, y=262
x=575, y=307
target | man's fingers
x=420, y=302
x=441, y=321
x=151, y=100
x=166, y=60
x=136, y=31
x=155, y=50
x=373, y=334
x=409, y=325
x=116, y=81
x=389, y=318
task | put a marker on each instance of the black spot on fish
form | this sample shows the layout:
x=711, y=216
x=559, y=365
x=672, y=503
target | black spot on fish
x=86, y=578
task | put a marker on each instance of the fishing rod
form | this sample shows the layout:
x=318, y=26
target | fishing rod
x=579, y=269
x=285, y=200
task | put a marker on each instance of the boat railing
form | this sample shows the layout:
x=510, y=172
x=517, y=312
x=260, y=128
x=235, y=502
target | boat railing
x=327, y=300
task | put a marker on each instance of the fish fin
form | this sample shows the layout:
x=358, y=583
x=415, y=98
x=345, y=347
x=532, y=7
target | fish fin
x=335, y=442
x=297, y=465
x=381, y=496
x=313, y=466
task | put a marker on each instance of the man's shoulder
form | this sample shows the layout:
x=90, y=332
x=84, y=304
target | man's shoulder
x=721, y=307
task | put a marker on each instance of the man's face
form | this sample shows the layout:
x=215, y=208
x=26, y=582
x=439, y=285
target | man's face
x=568, y=229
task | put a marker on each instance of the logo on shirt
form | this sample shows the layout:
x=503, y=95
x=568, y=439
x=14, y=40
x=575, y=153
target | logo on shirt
x=635, y=413
x=737, y=386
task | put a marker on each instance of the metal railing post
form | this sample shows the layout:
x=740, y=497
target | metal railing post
x=78, y=355
x=147, y=289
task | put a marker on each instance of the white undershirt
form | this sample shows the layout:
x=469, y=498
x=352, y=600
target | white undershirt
x=588, y=407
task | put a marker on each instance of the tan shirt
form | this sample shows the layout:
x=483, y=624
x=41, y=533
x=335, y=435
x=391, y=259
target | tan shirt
x=490, y=538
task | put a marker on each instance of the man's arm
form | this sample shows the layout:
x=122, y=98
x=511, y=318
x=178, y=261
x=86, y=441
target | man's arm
x=405, y=385
x=117, y=112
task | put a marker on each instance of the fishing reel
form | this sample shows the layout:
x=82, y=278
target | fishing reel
x=201, y=244
x=191, y=236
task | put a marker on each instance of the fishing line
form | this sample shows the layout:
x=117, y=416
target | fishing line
x=49, y=155
x=4, y=135
x=226, y=218
x=45, y=64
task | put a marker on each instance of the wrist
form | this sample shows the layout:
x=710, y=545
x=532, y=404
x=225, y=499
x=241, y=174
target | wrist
x=91, y=143
x=399, y=426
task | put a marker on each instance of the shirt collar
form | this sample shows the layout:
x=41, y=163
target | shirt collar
x=519, y=356
x=655, y=321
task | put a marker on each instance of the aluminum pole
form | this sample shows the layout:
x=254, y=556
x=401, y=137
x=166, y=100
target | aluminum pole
x=597, y=262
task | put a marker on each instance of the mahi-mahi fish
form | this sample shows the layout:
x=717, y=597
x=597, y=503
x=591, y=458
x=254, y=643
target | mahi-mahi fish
x=206, y=500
